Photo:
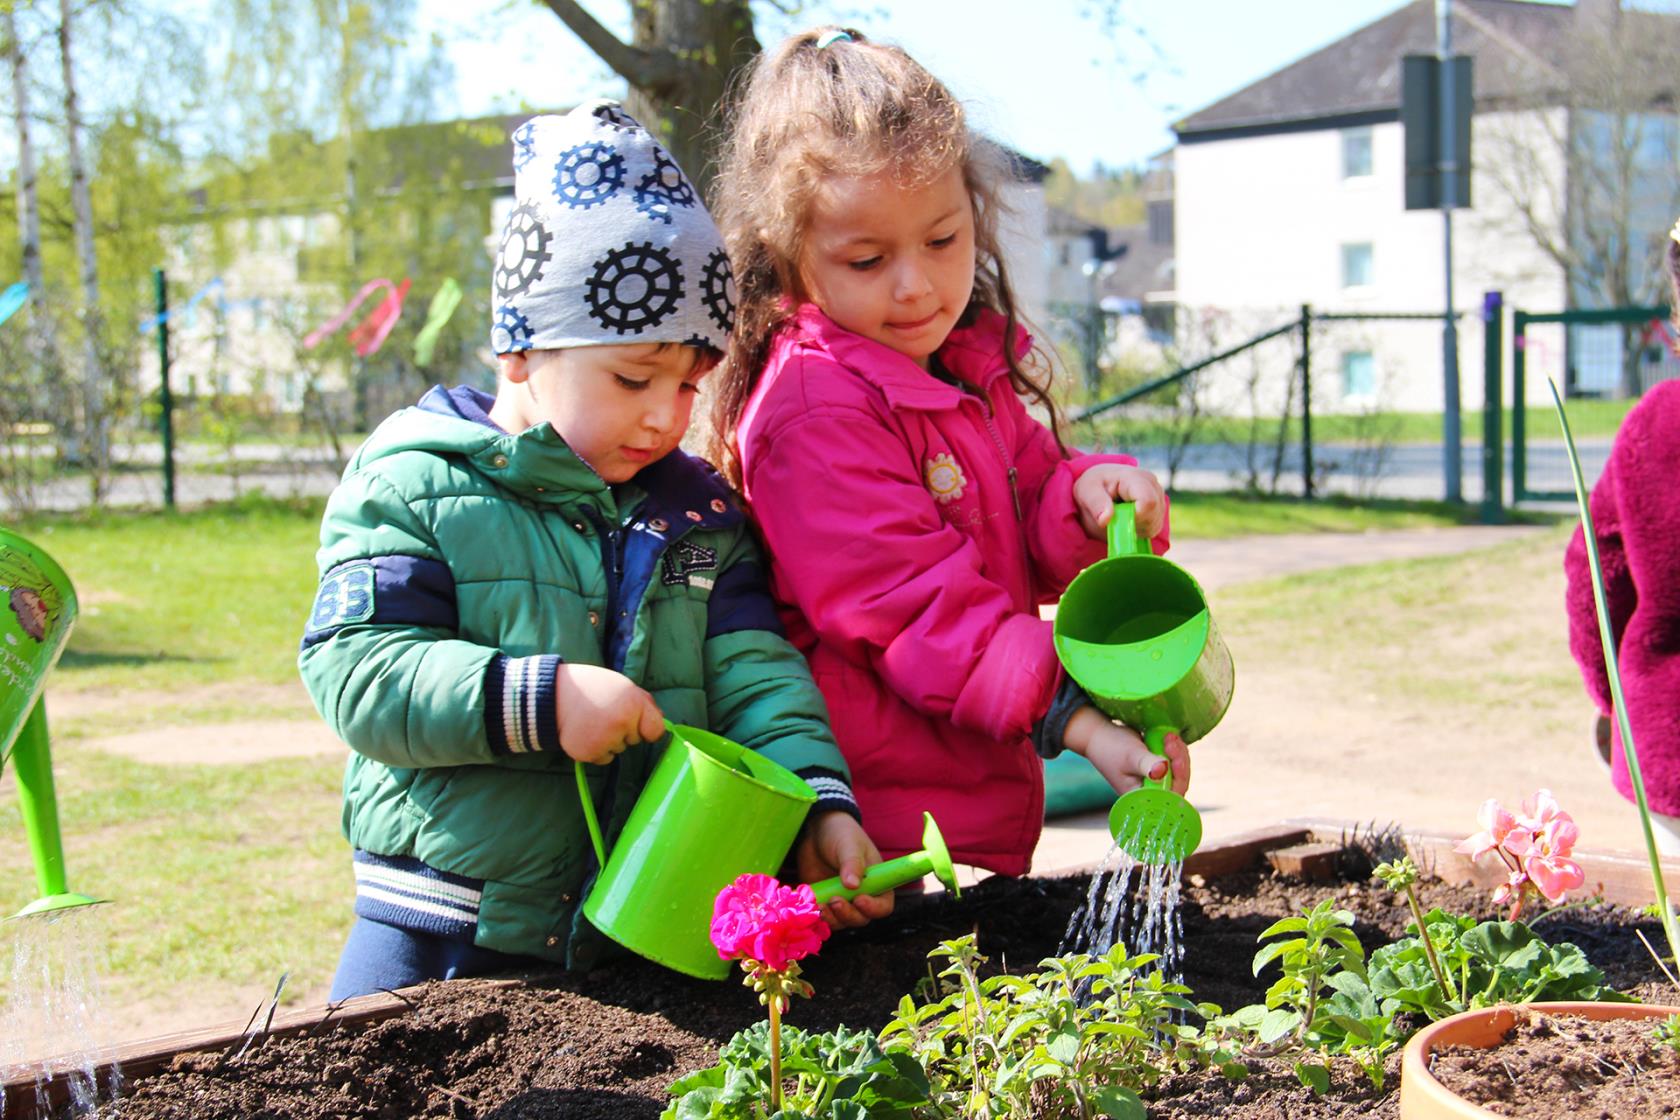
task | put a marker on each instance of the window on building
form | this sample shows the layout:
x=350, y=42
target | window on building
x=1356, y=152
x=1357, y=270
x=1359, y=374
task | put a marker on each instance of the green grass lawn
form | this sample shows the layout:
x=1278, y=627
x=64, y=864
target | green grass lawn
x=227, y=875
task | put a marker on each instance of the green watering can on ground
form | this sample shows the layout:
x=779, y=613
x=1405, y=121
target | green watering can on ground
x=1135, y=631
x=712, y=811
x=35, y=623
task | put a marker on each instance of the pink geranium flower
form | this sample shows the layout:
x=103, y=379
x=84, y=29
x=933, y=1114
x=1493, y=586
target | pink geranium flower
x=757, y=918
x=1547, y=862
x=1535, y=848
x=1500, y=829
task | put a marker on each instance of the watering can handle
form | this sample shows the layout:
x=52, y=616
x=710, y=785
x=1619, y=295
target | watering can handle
x=588, y=803
x=1122, y=533
x=1156, y=740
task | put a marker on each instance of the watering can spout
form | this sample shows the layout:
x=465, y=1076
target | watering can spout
x=35, y=620
x=934, y=859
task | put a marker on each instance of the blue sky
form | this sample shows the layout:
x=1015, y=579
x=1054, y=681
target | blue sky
x=1052, y=83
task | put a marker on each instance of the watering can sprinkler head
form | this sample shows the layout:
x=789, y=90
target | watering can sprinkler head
x=934, y=859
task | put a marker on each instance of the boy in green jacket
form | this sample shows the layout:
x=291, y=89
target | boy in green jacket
x=510, y=584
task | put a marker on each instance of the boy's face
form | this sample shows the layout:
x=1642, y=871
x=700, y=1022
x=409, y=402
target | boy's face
x=618, y=408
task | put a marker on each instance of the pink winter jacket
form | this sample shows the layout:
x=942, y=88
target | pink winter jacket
x=1637, y=521
x=913, y=530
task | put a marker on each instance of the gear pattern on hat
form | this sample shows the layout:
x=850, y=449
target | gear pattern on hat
x=634, y=287
x=614, y=116
x=524, y=252
x=663, y=188
x=511, y=332
x=717, y=290
x=607, y=241
x=524, y=151
x=588, y=175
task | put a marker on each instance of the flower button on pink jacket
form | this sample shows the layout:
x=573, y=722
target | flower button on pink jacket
x=914, y=529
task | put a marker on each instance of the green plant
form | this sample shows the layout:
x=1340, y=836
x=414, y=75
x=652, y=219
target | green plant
x=1321, y=1003
x=1077, y=1038
x=840, y=1075
x=1668, y=1033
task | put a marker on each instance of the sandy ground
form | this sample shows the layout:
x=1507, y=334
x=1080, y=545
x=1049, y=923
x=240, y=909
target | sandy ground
x=1266, y=763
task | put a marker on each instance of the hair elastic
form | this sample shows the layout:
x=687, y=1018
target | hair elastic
x=829, y=38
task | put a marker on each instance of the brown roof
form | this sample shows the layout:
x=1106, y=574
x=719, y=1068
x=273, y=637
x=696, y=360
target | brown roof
x=1359, y=75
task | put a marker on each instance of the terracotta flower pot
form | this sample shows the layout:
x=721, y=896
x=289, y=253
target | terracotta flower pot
x=1424, y=1098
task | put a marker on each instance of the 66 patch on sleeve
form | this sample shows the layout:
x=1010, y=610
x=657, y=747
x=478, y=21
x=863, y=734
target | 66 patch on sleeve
x=344, y=597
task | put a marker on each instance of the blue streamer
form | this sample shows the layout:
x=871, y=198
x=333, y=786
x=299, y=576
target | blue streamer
x=13, y=298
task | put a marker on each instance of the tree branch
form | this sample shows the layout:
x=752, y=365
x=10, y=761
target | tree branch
x=648, y=71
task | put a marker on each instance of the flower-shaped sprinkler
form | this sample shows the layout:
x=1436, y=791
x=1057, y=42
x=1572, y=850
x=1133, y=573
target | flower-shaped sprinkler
x=40, y=609
x=1135, y=631
x=934, y=859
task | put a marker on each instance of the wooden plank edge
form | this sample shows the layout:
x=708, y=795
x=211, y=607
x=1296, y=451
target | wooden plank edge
x=1621, y=877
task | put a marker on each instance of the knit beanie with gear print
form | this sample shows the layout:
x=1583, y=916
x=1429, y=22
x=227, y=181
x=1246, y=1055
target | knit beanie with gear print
x=607, y=242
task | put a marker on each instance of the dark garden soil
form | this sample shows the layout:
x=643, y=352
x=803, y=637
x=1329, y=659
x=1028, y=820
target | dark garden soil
x=1567, y=1066
x=608, y=1043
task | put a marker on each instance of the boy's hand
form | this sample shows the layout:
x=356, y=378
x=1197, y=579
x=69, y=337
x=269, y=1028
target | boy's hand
x=602, y=713
x=834, y=843
x=1096, y=491
x=1119, y=755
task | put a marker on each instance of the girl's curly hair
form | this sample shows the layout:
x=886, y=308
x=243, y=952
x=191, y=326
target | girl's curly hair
x=804, y=112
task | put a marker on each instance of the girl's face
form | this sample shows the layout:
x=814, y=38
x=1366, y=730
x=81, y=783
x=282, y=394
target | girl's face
x=892, y=263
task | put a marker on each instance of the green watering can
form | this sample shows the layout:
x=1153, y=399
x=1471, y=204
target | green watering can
x=1135, y=631
x=712, y=811
x=35, y=624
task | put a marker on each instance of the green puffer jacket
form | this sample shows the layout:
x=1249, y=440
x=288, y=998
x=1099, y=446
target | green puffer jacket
x=459, y=565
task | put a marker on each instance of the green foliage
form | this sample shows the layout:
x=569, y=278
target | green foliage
x=1668, y=1033
x=1491, y=963
x=1329, y=1001
x=1078, y=1038
x=840, y=1075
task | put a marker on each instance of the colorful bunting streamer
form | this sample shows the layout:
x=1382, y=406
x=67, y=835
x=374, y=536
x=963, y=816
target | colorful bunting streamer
x=17, y=295
x=369, y=335
x=444, y=303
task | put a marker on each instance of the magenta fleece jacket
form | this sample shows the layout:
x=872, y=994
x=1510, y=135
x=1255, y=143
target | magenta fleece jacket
x=914, y=529
x=1636, y=516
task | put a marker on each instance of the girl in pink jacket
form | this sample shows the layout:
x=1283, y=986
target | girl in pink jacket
x=871, y=410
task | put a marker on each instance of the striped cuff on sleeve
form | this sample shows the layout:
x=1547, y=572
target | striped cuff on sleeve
x=519, y=704
x=832, y=790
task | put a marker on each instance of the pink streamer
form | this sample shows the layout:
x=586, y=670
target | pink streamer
x=315, y=337
x=371, y=333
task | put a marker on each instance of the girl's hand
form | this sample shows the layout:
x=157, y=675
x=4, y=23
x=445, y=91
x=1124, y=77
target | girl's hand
x=1096, y=491
x=602, y=713
x=834, y=843
x=1119, y=755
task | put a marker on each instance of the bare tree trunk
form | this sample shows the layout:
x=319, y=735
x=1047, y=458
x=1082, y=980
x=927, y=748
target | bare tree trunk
x=95, y=422
x=29, y=210
x=678, y=63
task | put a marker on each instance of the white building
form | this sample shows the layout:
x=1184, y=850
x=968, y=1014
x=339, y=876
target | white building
x=1291, y=191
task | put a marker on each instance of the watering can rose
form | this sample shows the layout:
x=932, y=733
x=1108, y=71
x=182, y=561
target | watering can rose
x=757, y=918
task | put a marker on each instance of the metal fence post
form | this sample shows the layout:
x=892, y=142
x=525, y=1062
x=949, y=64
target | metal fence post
x=166, y=402
x=1306, y=402
x=1493, y=428
x=1519, y=405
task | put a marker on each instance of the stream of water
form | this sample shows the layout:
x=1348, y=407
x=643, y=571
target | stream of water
x=52, y=1007
x=1146, y=919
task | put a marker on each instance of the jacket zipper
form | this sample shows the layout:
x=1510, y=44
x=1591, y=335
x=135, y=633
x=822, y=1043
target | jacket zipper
x=1003, y=453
